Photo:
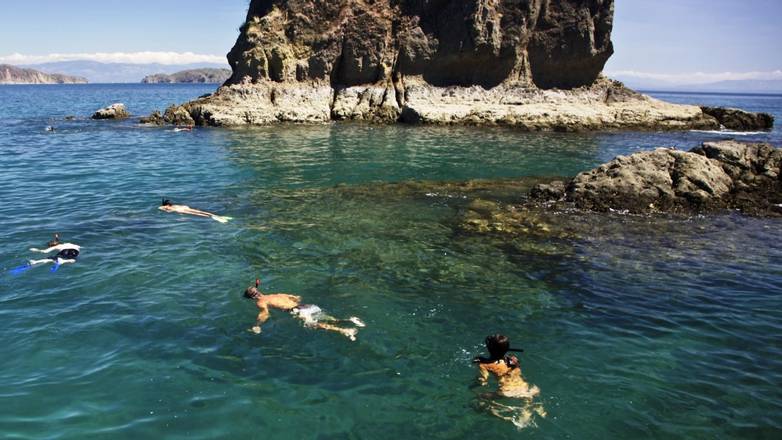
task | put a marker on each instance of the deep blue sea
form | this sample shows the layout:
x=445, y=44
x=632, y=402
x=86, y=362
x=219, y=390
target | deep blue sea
x=633, y=327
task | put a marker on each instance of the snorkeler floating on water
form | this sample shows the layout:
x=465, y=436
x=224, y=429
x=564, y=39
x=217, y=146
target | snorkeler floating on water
x=67, y=253
x=511, y=384
x=311, y=315
x=167, y=206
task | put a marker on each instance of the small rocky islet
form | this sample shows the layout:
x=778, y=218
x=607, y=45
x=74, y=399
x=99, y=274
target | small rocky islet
x=533, y=66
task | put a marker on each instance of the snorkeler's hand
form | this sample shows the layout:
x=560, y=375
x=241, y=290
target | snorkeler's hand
x=256, y=329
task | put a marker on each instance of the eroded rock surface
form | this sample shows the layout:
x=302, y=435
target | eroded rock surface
x=532, y=64
x=714, y=176
x=736, y=119
x=114, y=111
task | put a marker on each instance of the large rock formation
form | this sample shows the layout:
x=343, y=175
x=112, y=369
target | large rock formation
x=714, y=176
x=17, y=75
x=534, y=64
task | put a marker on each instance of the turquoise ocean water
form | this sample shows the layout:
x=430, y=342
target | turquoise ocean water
x=635, y=327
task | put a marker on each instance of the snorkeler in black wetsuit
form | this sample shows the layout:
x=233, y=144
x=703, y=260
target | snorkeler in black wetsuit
x=67, y=253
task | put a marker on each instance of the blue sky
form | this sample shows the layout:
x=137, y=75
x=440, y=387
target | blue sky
x=662, y=38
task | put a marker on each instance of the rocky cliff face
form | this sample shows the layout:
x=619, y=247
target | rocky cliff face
x=553, y=43
x=16, y=75
x=533, y=64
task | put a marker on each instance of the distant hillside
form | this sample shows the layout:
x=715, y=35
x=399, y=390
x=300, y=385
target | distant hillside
x=17, y=75
x=734, y=86
x=190, y=76
x=97, y=72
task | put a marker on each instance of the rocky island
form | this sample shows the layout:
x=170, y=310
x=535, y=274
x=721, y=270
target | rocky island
x=17, y=75
x=192, y=76
x=531, y=64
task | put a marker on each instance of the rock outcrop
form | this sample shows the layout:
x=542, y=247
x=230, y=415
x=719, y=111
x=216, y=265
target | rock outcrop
x=114, y=111
x=714, y=176
x=17, y=75
x=532, y=64
x=736, y=119
x=175, y=114
x=192, y=76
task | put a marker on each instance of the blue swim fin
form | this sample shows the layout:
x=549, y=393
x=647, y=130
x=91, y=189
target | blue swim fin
x=20, y=270
x=56, y=266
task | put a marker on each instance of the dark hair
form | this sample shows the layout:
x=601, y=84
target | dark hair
x=166, y=202
x=251, y=292
x=498, y=345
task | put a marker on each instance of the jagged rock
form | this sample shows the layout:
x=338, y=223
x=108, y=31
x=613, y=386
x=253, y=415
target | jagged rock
x=548, y=191
x=155, y=119
x=532, y=64
x=178, y=115
x=736, y=119
x=714, y=176
x=114, y=111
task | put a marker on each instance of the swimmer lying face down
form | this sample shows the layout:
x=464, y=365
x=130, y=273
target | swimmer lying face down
x=66, y=254
x=167, y=206
x=311, y=315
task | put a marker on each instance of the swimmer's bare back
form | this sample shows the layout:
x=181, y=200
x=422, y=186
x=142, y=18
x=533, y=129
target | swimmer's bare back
x=184, y=209
x=282, y=301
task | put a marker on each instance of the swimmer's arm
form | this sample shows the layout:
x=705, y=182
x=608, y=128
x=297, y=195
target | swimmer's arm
x=483, y=375
x=47, y=250
x=263, y=316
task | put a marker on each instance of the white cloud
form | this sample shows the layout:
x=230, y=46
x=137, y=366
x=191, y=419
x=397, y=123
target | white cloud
x=117, y=57
x=696, y=77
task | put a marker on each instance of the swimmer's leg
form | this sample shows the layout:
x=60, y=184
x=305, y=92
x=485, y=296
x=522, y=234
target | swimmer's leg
x=60, y=262
x=350, y=333
x=37, y=262
x=220, y=218
x=355, y=320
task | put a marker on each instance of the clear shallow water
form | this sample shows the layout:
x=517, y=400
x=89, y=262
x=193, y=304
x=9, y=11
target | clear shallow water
x=633, y=327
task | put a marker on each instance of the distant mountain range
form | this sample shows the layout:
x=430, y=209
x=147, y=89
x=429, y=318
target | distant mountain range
x=97, y=72
x=734, y=86
x=17, y=75
x=202, y=76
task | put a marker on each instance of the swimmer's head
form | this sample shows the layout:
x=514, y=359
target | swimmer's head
x=252, y=292
x=498, y=345
x=166, y=202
